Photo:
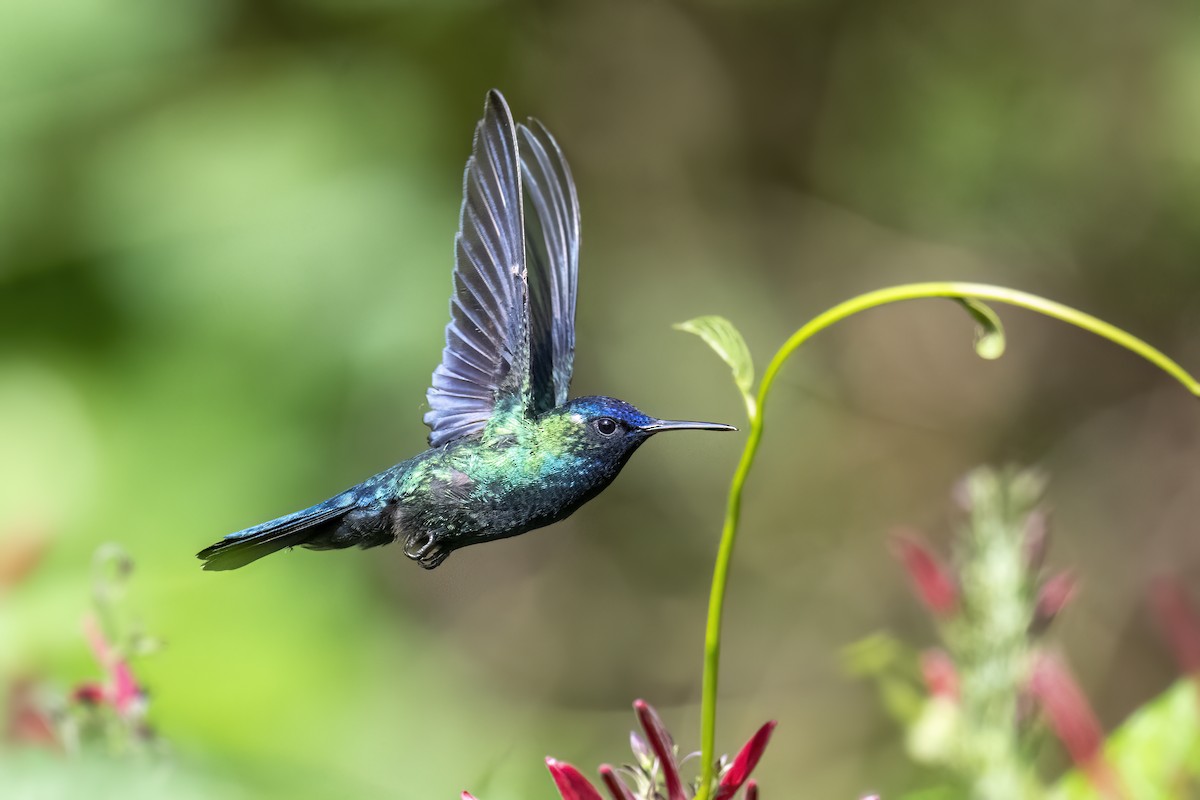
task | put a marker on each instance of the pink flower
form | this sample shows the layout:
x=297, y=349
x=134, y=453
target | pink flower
x=935, y=584
x=121, y=690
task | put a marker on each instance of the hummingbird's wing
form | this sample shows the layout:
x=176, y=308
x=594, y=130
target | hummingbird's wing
x=486, y=359
x=552, y=250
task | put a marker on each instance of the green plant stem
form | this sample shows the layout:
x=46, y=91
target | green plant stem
x=894, y=294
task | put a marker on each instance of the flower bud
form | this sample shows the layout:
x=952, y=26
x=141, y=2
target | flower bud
x=934, y=582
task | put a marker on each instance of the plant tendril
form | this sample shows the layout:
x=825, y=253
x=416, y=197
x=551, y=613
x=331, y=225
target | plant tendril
x=989, y=344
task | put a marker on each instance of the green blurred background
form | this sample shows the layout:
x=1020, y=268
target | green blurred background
x=225, y=249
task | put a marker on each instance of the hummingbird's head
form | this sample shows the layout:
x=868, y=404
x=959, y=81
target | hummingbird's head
x=606, y=426
x=587, y=442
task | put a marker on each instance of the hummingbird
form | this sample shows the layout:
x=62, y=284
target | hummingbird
x=508, y=451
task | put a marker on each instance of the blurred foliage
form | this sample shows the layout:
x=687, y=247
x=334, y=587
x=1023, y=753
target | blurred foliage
x=225, y=250
x=982, y=709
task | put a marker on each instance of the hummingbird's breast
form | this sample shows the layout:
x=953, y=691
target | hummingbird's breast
x=469, y=491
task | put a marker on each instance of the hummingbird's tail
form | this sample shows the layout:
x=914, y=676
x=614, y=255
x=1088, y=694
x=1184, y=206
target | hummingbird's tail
x=239, y=549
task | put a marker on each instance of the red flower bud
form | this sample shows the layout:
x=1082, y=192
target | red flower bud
x=664, y=748
x=618, y=790
x=744, y=763
x=570, y=782
x=1071, y=718
x=1179, y=621
x=89, y=693
x=1053, y=597
x=934, y=583
x=1037, y=534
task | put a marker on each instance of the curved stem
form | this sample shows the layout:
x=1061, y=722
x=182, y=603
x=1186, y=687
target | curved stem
x=863, y=302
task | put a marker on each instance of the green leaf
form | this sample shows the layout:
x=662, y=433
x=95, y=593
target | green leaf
x=892, y=666
x=989, y=332
x=720, y=334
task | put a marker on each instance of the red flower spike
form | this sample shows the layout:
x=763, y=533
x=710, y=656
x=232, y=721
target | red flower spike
x=660, y=742
x=1074, y=723
x=933, y=581
x=570, y=782
x=1179, y=622
x=745, y=763
x=940, y=674
x=618, y=790
x=751, y=791
x=1053, y=597
x=467, y=796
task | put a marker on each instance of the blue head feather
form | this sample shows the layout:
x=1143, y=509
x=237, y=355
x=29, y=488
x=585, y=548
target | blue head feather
x=596, y=407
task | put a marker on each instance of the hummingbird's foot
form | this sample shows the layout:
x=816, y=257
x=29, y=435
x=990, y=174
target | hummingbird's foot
x=424, y=549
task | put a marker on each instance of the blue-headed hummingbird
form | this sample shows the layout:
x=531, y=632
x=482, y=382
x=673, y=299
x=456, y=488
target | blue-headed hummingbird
x=508, y=452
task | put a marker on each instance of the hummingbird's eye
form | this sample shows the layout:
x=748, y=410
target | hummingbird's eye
x=606, y=426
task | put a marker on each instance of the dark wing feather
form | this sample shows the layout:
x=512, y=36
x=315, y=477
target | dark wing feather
x=552, y=248
x=486, y=358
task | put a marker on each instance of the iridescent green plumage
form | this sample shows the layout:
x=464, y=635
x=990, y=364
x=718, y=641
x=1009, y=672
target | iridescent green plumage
x=508, y=452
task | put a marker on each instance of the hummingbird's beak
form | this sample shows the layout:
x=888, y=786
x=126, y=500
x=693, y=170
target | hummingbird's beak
x=660, y=425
